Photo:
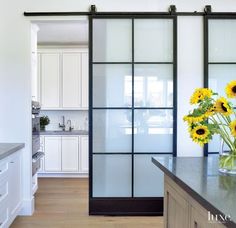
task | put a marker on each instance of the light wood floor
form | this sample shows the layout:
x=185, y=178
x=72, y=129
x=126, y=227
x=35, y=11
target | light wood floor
x=63, y=203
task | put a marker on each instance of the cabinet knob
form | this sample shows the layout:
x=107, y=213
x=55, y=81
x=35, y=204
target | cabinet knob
x=0, y=170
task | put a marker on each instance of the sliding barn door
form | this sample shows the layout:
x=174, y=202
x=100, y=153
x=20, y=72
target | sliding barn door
x=132, y=111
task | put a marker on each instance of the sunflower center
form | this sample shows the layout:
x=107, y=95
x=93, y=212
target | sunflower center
x=200, y=131
x=223, y=107
x=234, y=89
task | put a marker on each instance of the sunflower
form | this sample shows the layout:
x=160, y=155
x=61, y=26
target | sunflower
x=194, y=119
x=200, y=134
x=230, y=89
x=233, y=128
x=222, y=106
x=200, y=94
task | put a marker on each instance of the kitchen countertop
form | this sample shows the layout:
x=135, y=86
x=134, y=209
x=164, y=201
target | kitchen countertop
x=7, y=149
x=58, y=132
x=200, y=178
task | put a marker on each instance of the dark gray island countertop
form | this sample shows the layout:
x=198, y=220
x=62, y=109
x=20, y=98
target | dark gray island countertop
x=58, y=132
x=7, y=149
x=200, y=178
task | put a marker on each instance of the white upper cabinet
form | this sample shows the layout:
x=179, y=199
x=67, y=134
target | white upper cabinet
x=71, y=80
x=63, y=78
x=85, y=76
x=50, y=80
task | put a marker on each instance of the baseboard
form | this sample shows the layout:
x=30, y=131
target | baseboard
x=14, y=214
x=62, y=175
x=27, y=207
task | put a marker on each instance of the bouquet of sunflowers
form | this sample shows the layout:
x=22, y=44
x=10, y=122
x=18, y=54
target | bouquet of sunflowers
x=213, y=115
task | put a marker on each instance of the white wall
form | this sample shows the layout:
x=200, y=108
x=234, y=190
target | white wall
x=15, y=93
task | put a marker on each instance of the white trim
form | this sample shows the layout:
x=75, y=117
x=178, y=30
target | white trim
x=63, y=175
x=27, y=207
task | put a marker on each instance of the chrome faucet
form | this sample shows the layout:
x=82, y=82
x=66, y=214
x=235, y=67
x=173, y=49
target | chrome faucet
x=69, y=123
x=63, y=126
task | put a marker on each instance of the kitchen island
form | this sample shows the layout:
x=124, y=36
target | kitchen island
x=196, y=194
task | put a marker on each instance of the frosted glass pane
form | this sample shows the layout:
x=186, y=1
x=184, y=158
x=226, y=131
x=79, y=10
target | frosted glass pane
x=214, y=144
x=153, y=131
x=153, y=85
x=112, y=40
x=112, y=175
x=153, y=40
x=112, y=85
x=222, y=36
x=112, y=131
x=148, y=179
x=220, y=75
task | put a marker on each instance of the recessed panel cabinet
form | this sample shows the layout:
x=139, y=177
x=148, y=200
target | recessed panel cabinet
x=71, y=80
x=50, y=80
x=52, y=161
x=64, y=154
x=70, y=149
x=182, y=211
x=63, y=79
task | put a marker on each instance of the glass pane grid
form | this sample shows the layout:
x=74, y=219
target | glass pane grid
x=132, y=108
x=221, y=63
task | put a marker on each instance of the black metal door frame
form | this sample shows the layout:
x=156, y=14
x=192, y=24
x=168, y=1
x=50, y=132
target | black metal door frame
x=207, y=17
x=128, y=205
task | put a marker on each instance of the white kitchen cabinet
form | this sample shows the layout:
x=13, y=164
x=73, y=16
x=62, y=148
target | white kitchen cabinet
x=63, y=79
x=50, y=80
x=64, y=155
x=83, y=154
x=14, y=183
x=52, y=149
x=34, y=60
x=84, y=76
x=10, y=188
x=71, y=80
x=70, y=150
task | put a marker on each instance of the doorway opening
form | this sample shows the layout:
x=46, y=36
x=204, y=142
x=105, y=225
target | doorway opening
x=59, y=76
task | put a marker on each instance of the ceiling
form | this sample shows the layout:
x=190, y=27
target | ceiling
x=63, y=32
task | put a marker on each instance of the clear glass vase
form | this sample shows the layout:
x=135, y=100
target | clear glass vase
x=227, y=160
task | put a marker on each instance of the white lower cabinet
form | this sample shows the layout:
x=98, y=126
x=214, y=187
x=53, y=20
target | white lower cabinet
x=10, y=189
x=83, y=155
x=52, y=160
x=14, y=183
x=64, y=155
x=70, y=153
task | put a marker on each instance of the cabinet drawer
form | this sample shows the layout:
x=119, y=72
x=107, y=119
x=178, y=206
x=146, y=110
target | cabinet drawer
x=3, y=215
x=3, y=191
x=3, y=169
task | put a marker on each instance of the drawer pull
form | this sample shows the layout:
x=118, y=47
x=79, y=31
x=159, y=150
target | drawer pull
x=11, y=162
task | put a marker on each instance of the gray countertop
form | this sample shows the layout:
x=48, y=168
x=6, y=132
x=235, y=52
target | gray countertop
x=201, y=179
x=7, y=149
x=73, y=132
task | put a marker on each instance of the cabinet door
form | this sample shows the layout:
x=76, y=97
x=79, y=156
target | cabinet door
x=70, y=149
x=83, y=154
x=14, y=182
x=50, y=80
x=84, y=80
x=199, y=218
x=52, y=147
x=71, y=76
x=176, y=209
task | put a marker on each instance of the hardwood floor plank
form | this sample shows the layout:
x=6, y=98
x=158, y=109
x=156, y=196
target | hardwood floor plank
x=63, y=203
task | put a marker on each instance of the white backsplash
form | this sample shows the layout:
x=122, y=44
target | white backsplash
x=78, y=119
